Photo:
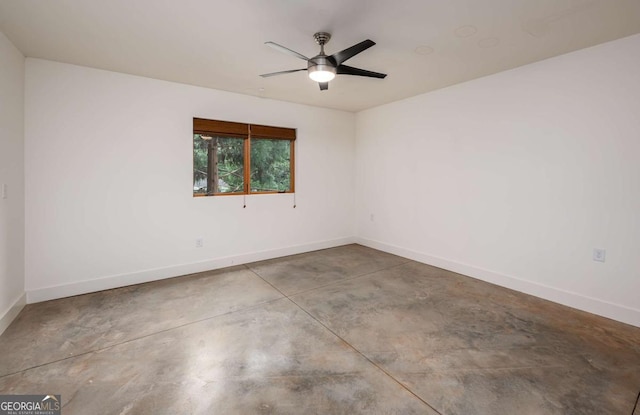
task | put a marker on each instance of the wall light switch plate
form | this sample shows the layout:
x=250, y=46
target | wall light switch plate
x=599, y=254
x=4, y=191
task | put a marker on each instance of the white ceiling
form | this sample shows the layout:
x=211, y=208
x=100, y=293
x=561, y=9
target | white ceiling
x=422, y=44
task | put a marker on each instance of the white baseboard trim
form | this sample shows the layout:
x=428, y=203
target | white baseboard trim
x=581, y=302
x=12, y=312
x=139, y=277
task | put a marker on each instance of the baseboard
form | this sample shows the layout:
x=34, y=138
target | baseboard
x=12, y=312
x=592, y=305
x=139, y=277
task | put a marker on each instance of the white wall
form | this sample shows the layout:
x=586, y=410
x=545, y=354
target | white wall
x=109, y=181
x=515, y=178
x=12, y=175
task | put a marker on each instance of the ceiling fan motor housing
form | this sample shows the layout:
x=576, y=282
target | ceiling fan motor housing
x=322, y=63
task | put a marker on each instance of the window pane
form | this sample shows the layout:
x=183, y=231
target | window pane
x=200, y=157
x=218, y=164
x=270, y=165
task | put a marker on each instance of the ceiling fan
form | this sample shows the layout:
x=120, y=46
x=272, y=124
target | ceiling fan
x=323, y=68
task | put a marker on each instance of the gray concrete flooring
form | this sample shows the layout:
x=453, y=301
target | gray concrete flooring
x=347, y=330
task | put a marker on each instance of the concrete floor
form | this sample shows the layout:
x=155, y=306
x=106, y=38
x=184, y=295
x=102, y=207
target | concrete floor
x=347, y=330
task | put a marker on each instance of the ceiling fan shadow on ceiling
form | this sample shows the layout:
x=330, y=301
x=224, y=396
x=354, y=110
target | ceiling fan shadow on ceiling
x=323, y=68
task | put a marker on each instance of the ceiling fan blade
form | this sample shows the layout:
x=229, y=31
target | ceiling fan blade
x=348, y=53
x=350, y=70
x=323, y=86
x=266, y=75
x=286, y=50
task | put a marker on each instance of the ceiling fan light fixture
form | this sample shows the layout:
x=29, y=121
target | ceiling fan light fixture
x=322, y=73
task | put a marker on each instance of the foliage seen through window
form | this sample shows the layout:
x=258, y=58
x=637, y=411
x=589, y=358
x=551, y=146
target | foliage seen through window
x=237, y=163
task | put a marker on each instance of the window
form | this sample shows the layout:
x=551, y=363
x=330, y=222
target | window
x=233, y=158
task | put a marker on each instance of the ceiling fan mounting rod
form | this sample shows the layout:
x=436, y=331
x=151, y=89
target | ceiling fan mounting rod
x=322, y=38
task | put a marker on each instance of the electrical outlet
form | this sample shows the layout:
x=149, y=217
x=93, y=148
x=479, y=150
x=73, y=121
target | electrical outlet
x=4, y=190
x=372, y=218
x=599, y=254
x=199, y=243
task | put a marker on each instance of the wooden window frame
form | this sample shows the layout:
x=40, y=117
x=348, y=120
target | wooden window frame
x=247, y=132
